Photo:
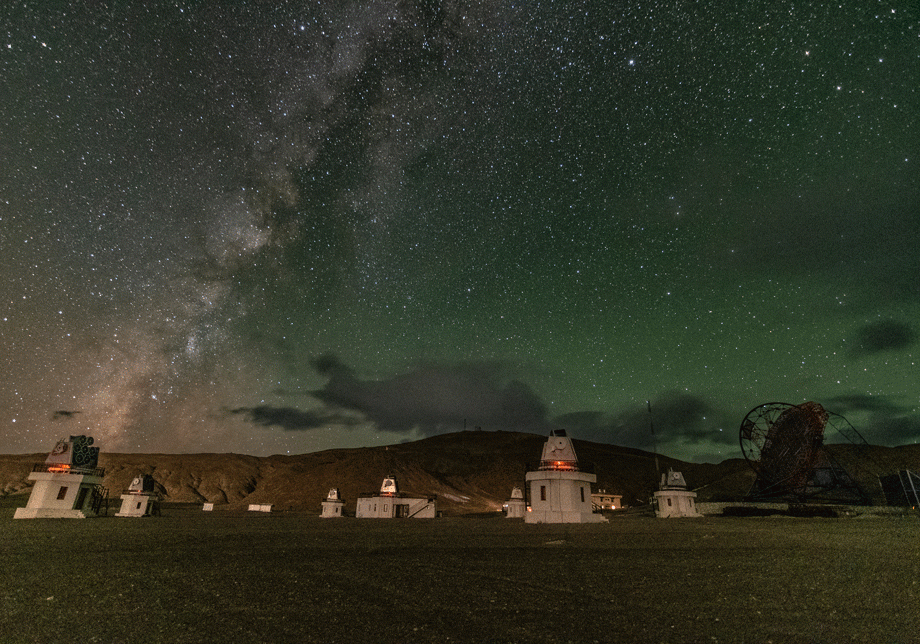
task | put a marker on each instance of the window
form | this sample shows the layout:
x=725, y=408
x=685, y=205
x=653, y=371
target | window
x=582, y=495
x=542, y=492
x=62, y=493
x=669, y=502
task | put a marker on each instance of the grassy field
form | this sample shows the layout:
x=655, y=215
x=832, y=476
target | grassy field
x=197, y=577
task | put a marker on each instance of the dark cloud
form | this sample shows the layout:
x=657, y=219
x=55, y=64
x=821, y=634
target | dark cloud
x=681, y=412
x=328, y=364
x=62, y=414
x=883, y=429
x=291, y=419
x=884, y=335
x=883, y=421
x=675, y=417
x=629, y=429
x=854, y=403
x=438, y=397
x=435, y=397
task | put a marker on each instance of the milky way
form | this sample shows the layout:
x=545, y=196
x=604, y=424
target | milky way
x=298, y=226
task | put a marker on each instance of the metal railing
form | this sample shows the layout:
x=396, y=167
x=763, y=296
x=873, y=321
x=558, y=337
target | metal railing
x=63, y=468
x=564, y=466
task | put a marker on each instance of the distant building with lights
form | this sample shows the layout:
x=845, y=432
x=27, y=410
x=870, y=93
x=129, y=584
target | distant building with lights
x=390, y=503
x=601, y=500
x=559, y=491
x=68, y=485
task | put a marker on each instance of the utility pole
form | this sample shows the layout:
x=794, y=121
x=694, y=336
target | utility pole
x=651, y=425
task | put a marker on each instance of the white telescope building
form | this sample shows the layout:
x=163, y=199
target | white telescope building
x=140, y=499
x=68, y=485
x=515, y=507
x=673, y=499
x=333, y=505
x=559, y=491
x=390, y=503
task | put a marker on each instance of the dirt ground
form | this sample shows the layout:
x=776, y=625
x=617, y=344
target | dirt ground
x=197, y=577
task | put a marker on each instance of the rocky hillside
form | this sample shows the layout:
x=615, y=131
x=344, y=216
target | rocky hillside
x=471, y=472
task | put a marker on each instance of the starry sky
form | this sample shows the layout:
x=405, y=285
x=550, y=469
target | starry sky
x=283, y=227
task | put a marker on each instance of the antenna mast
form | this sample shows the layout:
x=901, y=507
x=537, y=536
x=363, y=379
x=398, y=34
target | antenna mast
x=651, y=425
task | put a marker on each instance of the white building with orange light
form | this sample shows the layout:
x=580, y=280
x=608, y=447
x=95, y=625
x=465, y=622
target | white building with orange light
x=559, y=491
x=390, y=503
x=68, y=485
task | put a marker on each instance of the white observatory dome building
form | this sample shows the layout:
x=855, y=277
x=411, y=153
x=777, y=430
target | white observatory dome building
x=333, y=505
x=516, y=507
x=673, y=499
x=559, y=491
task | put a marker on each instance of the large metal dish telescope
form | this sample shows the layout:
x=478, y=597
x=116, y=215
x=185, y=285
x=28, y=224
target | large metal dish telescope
x=784, y=444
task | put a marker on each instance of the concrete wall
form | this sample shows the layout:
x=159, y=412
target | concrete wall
x=676, y=503
x=423, y=509
x=137, y=505
x=332, y=509
x=389, y=507
x=716, y=508
x=559, y=496
x=75, y=492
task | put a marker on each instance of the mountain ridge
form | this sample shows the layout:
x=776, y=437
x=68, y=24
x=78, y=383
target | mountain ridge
x=471, y=472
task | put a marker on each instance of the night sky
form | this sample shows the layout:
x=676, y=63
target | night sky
x=289, y=227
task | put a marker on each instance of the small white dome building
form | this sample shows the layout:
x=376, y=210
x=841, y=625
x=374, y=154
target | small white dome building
x=674, y=499
x=140, y=499
x=559, y=491
x=333, y=505
x=515, y=507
